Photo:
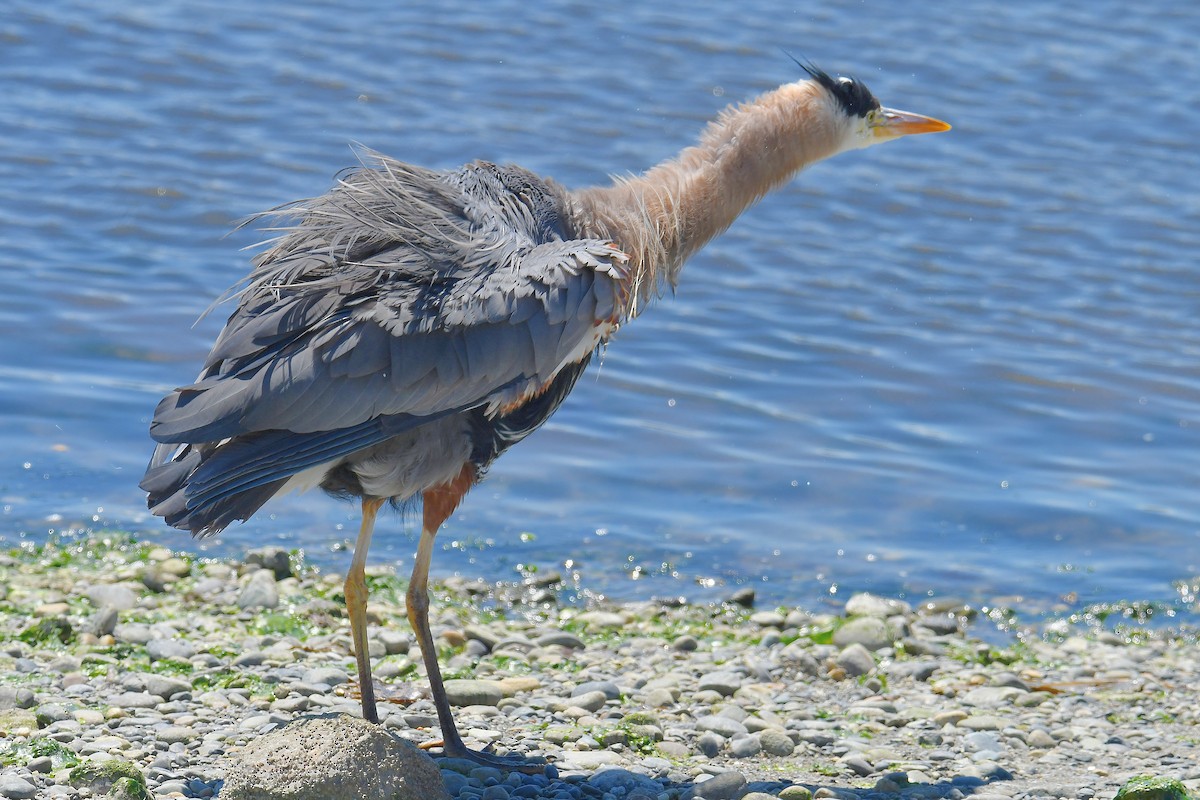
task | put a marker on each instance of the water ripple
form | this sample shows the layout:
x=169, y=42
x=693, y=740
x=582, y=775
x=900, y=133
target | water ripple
x=951, y=365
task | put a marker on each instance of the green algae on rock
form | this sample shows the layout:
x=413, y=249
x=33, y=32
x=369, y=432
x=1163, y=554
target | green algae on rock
x=115, y=778
x=1149, y=787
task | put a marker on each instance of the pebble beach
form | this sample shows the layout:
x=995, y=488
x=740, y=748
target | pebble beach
x=129, y=670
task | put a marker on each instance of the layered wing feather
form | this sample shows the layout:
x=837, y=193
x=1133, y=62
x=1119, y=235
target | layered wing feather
x=327, y=338
x=399, y=297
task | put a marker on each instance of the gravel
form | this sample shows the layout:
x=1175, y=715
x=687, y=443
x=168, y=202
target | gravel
x=194, y=661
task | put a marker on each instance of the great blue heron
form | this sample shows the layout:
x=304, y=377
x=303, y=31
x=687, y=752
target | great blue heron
x=411, y=325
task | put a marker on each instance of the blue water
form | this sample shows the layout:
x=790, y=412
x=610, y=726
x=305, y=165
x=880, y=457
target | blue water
x=965, y=364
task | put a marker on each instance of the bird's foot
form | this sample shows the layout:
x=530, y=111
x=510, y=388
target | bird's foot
x=486, y=758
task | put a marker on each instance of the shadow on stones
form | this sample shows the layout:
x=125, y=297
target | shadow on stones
x=732, y=785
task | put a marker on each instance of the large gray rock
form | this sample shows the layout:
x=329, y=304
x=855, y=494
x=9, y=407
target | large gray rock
x=332, y=756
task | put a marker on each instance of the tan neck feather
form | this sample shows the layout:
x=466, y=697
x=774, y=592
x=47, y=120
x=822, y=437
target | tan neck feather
x=665, y=215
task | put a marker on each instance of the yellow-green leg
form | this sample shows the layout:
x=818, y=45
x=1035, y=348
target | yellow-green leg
x=356, y=606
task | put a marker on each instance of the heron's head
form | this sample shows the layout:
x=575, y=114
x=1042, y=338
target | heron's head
x=861, y=119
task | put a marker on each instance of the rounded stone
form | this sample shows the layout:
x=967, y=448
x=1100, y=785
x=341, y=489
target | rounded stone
x=871, y=632
x=52, y=712
x=560, y=639
x=454, y=782
x=161, y=649
x=517, y=684
x=317, y=758
x=722, y=726
x=16, y=697
x=768, y=619
x=133, y=700
x=589, y=701
x=330, y=676
x=724, y=682
x=394, y=642
x=1149, y=787
x=133, y=632
x=950, y=717
x=41, y=764
x=776, y=743
x=982, y=722
x=120, y=597
x=745, y=745
x=710, y=744
x=176, y=567
x=175, y=733
x=983, y=741
x=1041, y=740
x=886, y=785
x=743, y=597
x=272, y=558
x=156, y=580
x=100, y=777
x=620, y=782
x=16, y=787
x=855, y=660
x=858, y=765
x=611, y=690
x=467, y=692
x=260, y=591
x=166, y=687
x=795, y=793
x=726, y=786
x=102, y=622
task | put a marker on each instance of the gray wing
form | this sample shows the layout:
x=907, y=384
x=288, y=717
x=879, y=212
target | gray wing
x=410, y=294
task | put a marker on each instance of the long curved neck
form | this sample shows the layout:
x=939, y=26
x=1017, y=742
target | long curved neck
x=665, y=215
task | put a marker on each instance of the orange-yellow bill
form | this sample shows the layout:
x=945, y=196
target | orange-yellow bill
x=891, y=122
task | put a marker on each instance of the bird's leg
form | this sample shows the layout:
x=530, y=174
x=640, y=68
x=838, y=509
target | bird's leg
x=439, y=503
x=356, y=606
